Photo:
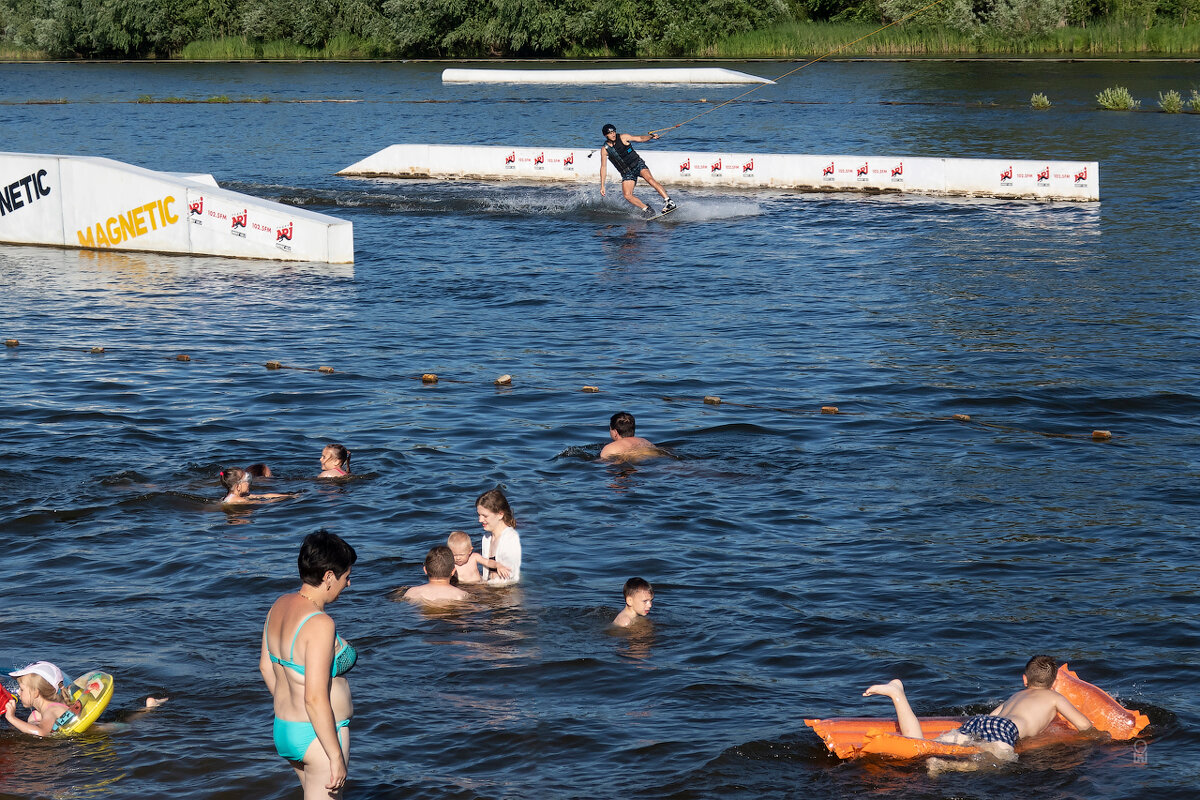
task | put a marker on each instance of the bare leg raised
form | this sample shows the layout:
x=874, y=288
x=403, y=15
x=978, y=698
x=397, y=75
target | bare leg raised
x=909, y=726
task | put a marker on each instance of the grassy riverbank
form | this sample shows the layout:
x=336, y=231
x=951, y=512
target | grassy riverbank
x=792, y=40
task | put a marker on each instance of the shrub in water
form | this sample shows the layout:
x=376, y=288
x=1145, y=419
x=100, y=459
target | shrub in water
x=1196, y=100
x=1039, y=101
x=1117, y=98
x=1171, y=102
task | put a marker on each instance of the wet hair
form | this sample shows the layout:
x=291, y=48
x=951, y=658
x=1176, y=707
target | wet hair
x=635, y=585
x=622, y=422
x=324, y=552
x=439, y=562
x=458, y=537
x=1040, y=672
x=259, y=470
x=495, y=501
x=40, y=686
x=340, y=453
x=231, y=477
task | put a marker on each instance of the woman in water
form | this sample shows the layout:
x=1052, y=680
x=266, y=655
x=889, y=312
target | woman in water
x=501, y=548
x=335, y=461
x=304, y=663
x=237, y=486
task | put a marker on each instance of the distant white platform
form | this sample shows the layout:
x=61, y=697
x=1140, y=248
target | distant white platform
x=601, y=76
x=968, y=177
x=76, y=201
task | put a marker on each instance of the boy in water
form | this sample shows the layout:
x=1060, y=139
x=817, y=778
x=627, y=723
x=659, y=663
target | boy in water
x=1027, y=713
x=639, y=597
x=625, y=444
x=618, y=149
x=466, y=560
x=439, y=566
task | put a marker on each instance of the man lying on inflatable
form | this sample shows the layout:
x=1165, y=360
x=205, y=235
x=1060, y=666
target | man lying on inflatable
x=1053, y=698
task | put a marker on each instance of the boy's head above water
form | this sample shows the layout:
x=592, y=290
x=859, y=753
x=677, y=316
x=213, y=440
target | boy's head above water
x=1040, y=672
x=439, y=563
x=639, y=596
x=460, y=545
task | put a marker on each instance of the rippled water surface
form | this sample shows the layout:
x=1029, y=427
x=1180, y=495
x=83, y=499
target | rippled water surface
x=797, y=556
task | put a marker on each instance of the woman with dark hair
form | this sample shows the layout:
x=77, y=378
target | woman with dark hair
x=501, y=548
x=304, y=663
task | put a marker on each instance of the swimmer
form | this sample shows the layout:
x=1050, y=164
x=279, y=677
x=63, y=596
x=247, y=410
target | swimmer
x=335, y=461
x=237, y=484
x=618, y=149
x=439, y=566
x=1027, y=713
x=466, y=560
x=625, y=444
x=42, y=688
x=639, y=597
x=501, y=556
x=259, y=471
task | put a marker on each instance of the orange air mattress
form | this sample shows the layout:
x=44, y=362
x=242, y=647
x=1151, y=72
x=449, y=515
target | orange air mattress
x=849, y=737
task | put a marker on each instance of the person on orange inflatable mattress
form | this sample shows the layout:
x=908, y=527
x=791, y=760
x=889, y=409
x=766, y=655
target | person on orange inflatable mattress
x=1027, y=713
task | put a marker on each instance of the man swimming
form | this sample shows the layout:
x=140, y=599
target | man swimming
x=619, y=150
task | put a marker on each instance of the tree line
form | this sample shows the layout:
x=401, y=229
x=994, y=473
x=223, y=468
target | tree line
x=513, y=28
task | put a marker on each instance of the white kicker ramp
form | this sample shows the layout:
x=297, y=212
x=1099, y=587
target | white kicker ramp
x=77, y=201
x=968, y=177
x=642, y=76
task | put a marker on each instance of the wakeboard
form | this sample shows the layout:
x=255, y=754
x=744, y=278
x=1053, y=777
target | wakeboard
x=660, y=214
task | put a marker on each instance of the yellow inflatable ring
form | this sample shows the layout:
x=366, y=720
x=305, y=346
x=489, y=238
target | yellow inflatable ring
x=93, y=691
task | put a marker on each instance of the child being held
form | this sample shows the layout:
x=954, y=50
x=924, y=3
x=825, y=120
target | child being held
x=466, y=560
x=439, y=566
x=639, y=597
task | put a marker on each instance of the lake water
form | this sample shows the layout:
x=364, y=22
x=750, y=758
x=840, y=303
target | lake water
x=797, y=556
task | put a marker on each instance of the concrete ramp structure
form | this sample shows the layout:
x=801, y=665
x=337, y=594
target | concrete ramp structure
x=98, y=203
x=640, y=76
x=965, y=177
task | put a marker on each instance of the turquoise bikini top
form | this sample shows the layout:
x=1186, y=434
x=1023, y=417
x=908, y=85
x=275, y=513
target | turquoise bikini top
x=344, y=656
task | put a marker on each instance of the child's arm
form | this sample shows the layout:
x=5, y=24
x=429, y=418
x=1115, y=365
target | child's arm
x=1074, y=716
x=42, y=728
x=493, y=564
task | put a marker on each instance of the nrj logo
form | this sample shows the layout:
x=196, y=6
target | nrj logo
x=1044, y=175
x=284, y=233
x=239, y=220
x=196, y=208
x=827, y=171
x=863, y=170
x=1006, y=175
x=511, y=158
x=568, y=160
x=898, y=170
x=716, y=167
x=686, y=166
x=1081, y=176
x=539, y=159
x=748, y=166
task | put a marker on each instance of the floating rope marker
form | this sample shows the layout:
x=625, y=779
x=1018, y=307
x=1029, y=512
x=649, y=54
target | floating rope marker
x=183, y=357
x=591, y=389
x=829, y=409
x=325, y=370
x=429, y=377
x=273, y=365
x=963, y=417
x=97, y=350
x=1101, y=435
x=504, y=380
x=11, y=343
x=712, y=400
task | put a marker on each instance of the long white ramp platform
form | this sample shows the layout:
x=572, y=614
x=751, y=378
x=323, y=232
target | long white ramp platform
x=969, y=177
x=681, y=75
x=79, y=201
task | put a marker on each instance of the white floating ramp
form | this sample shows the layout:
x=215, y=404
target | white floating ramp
x=78, y=201
x=968, y=177
x=601, y=76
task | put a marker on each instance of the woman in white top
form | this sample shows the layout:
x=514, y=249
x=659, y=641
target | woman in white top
x=501, y=549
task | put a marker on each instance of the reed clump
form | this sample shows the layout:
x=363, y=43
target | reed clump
x=1171, y=102
x=342, y=47
x=1117, y=98
x=1039, y=101
x=1195, y=103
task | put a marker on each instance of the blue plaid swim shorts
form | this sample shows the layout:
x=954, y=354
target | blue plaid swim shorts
x=992, y=729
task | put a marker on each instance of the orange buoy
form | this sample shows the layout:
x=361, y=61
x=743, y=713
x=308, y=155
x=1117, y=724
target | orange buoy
x=97, y=349
x=591, y=389
x=829, y=409
x=963, y=417
x=504, y=380
x=11, y=343
x=1101, y=434
x=183, y=357
x=712, y=400
x=325, y=370
x=429, y=377
x=273, y=365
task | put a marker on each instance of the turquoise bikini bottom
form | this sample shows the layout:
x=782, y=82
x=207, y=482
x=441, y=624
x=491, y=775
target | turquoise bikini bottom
x=293, y=738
